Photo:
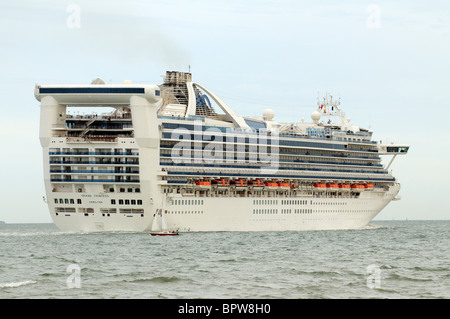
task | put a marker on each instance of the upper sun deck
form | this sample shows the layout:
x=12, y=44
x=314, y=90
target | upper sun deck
x=96, y=94
x=179, y=99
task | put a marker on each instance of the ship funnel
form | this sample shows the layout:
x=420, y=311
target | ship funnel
x=97, y=81
x=175, y=77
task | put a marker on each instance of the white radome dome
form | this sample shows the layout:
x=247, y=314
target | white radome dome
x=315, y=116
x=268, y=115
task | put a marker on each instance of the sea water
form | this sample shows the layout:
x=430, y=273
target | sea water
x=387, y=259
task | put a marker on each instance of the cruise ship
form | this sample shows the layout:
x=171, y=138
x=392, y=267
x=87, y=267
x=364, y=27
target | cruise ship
x=118, y=155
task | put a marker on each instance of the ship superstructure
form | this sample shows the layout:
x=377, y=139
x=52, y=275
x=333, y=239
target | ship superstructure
x=178, y=149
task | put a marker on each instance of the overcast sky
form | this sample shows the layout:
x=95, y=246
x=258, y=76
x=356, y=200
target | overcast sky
x=389, y=62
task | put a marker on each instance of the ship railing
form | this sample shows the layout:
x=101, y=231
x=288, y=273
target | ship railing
x=93, y=162
x=100, y=117
x=95, y=153
x=177, y=117
x=80, y=180
x=97, y=138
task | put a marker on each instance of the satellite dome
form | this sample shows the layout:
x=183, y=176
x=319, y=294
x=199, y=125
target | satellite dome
x=127, y=82
x=268, y=115
x=315, y=116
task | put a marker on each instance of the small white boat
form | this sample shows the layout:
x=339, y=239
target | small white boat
x=159, y=226
x=165, y=233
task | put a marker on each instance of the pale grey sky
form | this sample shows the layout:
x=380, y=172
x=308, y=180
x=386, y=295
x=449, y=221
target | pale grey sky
x=388, y=61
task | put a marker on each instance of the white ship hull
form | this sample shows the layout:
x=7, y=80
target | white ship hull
x=213, y=214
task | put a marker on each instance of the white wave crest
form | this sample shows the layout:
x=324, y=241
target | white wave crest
x=17, y=284
x=372, y=226
x=30, y=234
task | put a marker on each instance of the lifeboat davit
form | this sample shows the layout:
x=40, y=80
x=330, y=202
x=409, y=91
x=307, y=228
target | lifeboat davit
x=344, y=187
x=220, y=183
x=357, y=188
x=240, y=183
x=203, y=184
x=320, y=187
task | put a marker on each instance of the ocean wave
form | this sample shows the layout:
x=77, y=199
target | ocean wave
x=31, y=234
x=402, y=277
x=371, y=226
x=160, y=279
x=17, y=284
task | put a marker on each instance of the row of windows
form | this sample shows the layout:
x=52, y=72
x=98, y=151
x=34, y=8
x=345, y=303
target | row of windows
x=127, y=202
x=132, y=211
x=282, y=211
x=293, y=202
x=187, y=137
x=67, y=201
x=303, y=211
x=117, y=179
x=187, y=202
x=265, y=211
x=129, y=190
x=343, y=154
x=64, y=210
x=258, y=202
x=265, y=202
x=320, y=132
x=93, y=160
x=103, y=211
x=85, y=211
x=308, y=211
x=328, y=203
x=97, y=151
x=344, y=211
x=285, y=160
x=113, y=201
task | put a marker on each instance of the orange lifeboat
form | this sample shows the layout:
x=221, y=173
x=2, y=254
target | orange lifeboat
x=332, y=187
x=320, y=187
x=203, y=184
x=284, y=185
x=357, y=188
x=368, y=186
x=344, y=187
x=270, y=185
